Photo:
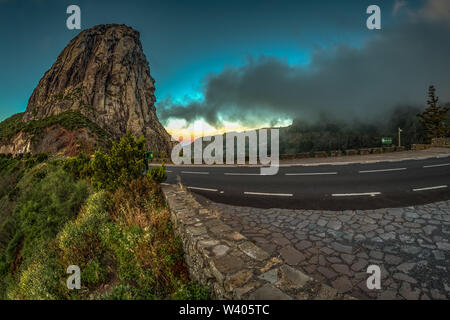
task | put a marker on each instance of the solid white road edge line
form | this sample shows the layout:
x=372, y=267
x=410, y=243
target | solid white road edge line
x=355, y=194
x=382, y=170
x=269, y=194
x=204, y=189
x=430, y=188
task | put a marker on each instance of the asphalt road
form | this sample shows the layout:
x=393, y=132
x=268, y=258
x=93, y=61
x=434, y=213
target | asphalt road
x=323, y=187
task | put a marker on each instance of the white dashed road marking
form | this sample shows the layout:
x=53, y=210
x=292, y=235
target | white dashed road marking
x=310, y=174
x=241, y=174
x=382, y=170
x=355, y=194
x=430, y=188
x=195, y=172
x=269, y=194
x=204, y=189
x=437, y=165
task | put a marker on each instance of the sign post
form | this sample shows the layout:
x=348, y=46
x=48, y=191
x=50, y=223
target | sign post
x=147, y=155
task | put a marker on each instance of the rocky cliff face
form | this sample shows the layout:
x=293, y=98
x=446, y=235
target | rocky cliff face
x=104, y=74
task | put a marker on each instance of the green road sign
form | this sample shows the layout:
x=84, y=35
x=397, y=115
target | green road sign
x=147, y=155
x=386, y=140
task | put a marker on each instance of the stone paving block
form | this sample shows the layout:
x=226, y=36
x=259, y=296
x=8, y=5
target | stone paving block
x=270, y=276
x=387, y=295
x=304, y=244
x=408, y=293
x=220, y=250
x=404, y=277
x=326, y=293
x=341, y=269
x=342, y=284
x=237, y=280
x=348, y=258
x=406, y=267
x=291, y=278
x=327, y=272
x=253, y=251
x=291, y=255
x=359, y=265
x=335, y=225
x=239, y=293
x=281, y=241
x=269, y=292
x=341, y=248
x=391, y=259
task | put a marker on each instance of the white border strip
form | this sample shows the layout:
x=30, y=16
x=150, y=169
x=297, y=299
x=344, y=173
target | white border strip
x=269, y=194
x=355, y=194
x=431, y=188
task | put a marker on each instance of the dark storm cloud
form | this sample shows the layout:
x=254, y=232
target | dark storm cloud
x=395, y=66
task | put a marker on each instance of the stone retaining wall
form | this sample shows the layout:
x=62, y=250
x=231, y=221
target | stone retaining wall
x=416, y=147
x=229, y=264
x=440, y=142
x=338, y=153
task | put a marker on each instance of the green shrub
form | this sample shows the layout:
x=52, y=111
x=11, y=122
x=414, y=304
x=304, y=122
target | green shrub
x=119, y=292
x=78, y=166
x=41, y=157
x=43, y=278
x=158, y=174
x=42, y=209
x=93, y=273
x=123, y=163
x=79, y=240
x=192, y=291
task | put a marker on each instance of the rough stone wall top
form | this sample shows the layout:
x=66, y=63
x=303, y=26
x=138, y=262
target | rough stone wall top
x=104, y=74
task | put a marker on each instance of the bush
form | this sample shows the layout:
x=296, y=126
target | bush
x=43, y=278
x=124, y=163
x=78, y=166
x=41, y=211
x=79, y=240
x=192, y=291
x=158, y=174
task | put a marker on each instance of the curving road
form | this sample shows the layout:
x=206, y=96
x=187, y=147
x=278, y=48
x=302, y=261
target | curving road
x=322, y=187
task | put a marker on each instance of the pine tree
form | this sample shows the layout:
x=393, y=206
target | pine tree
x=434, y=117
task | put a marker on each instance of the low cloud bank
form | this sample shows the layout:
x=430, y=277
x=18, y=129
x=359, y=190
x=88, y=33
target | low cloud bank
x=395, y=67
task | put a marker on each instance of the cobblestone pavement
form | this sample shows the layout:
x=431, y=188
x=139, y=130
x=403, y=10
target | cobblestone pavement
x=411, y=246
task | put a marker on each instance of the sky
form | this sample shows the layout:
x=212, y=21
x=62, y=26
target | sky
x=235, y=65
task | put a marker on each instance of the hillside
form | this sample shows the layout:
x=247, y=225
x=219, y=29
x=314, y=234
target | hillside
x=114, y=225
